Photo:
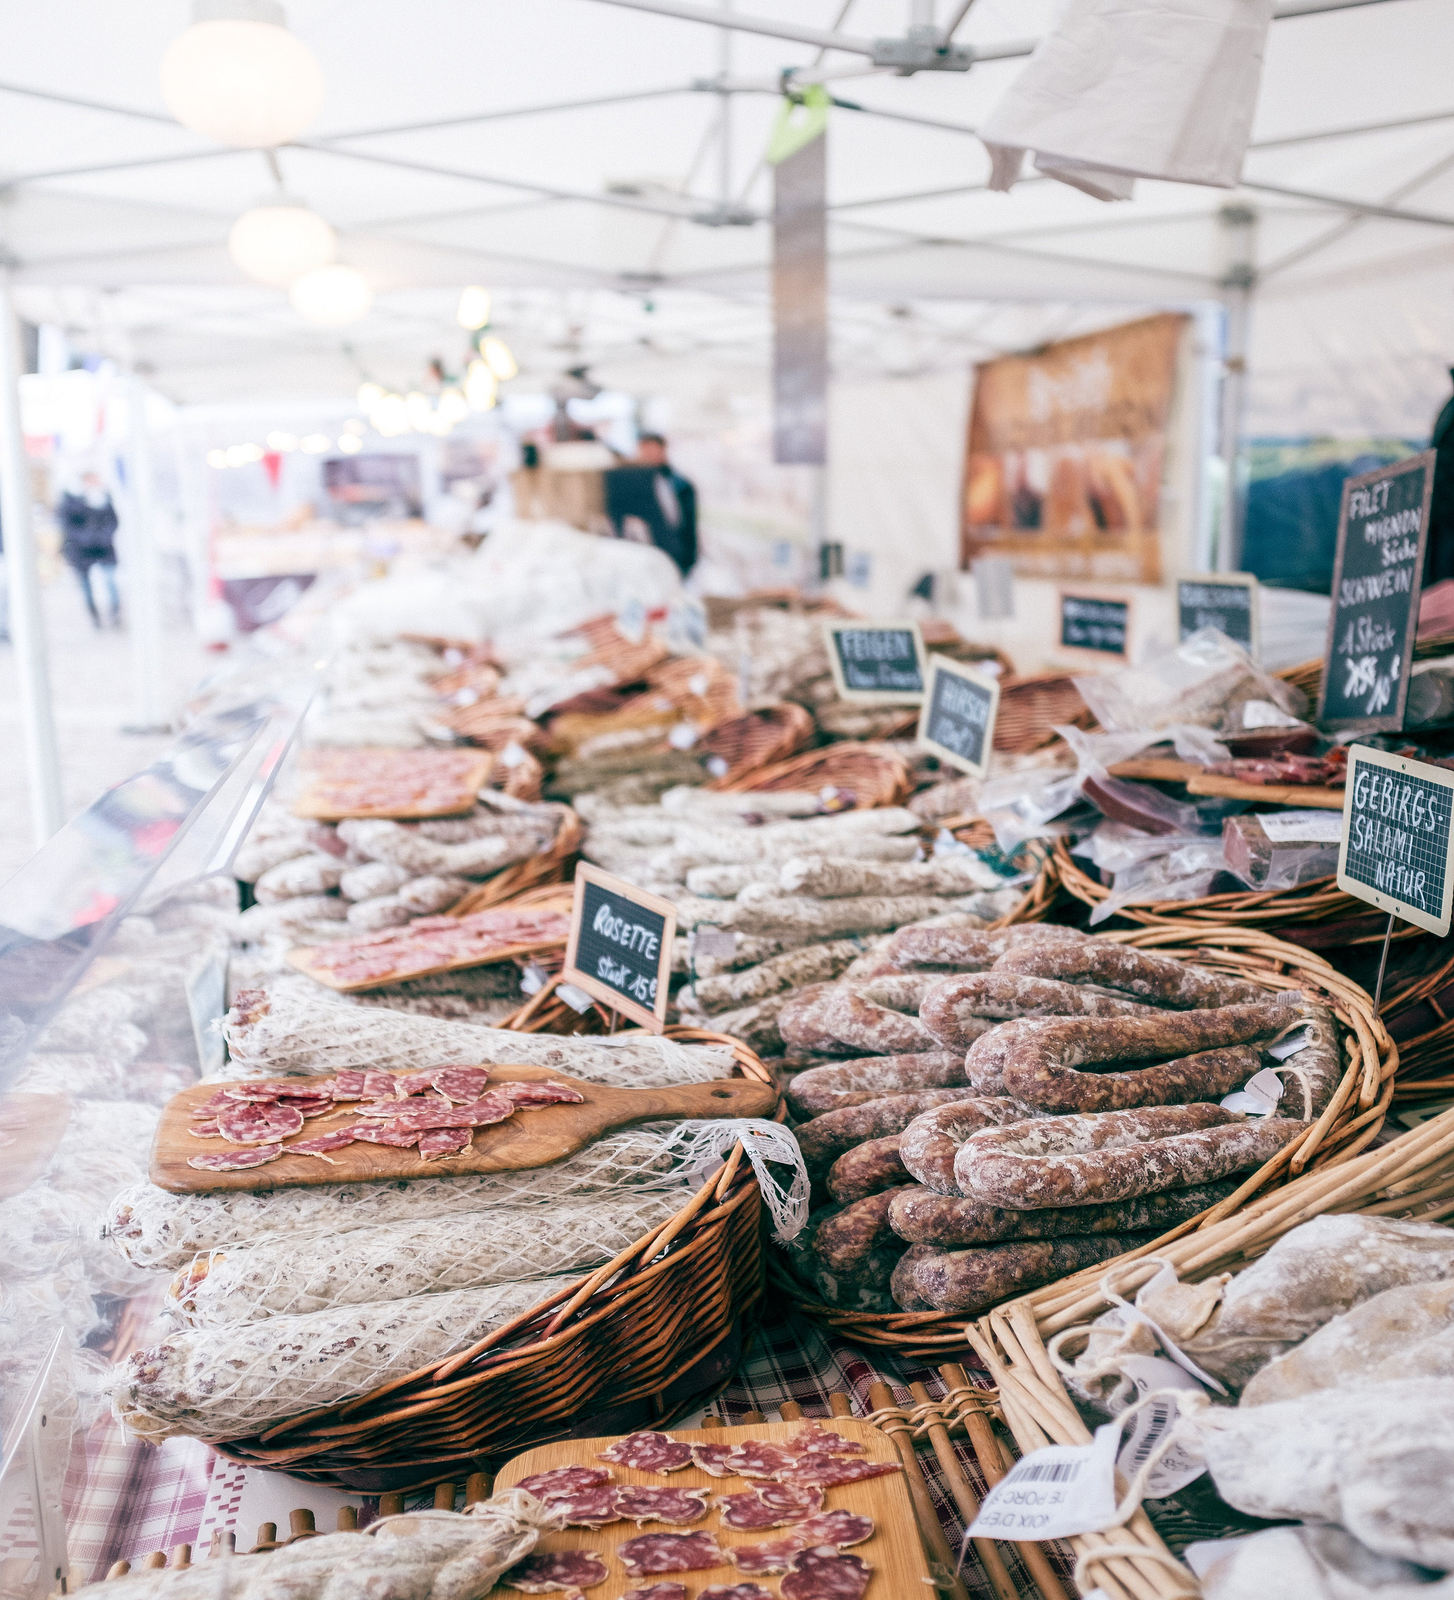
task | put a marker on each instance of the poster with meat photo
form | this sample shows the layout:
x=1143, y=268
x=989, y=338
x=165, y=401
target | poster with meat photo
x=1066, y=455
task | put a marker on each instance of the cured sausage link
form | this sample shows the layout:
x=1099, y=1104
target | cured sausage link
x=954, y=1010
x=961, y=949
x=866, y=1169
x=974, y=1280
x=932, y=1140
x=1040, y=1069
x=1162, y=979
x=1104, y=1156
x=851, y=1017
x=826, y=1138
x=821, y=1089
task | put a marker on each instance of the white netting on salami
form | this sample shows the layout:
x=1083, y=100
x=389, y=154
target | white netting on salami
x=293, y=1275
x=226, y=1383
x=298, y=1029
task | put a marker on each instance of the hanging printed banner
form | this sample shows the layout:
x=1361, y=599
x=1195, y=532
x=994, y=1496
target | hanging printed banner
x=1066, y=455
x=800, y=306
x=1383, y=527
x=620, y=945
x=1397, y=839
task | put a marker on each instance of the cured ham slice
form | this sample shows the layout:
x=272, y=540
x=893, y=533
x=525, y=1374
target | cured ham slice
x=823, y=1573
x=322, y=1143
x=833, y=1529
x=460, y=1084
x=531, y=1096
x=712, y=1458
x=390, y=1133
x=827, y=1472
x=435, y=1144
x=589, y=1508
x=205, y=1130
x=258, y=1124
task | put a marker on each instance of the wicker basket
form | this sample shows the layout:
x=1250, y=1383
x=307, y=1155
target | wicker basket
x=648, y=1336
x=1030, y=709
x=1350, y=1123
x=1316, y=915
x=1412, y=1177
x=555, y=865
x=756, y=739
x=873, y=775
x=1308, y=675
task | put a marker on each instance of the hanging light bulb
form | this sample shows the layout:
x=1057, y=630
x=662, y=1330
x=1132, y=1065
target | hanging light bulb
x=499, y=359
x=350, y=444
x=480, y=386
x=474, y=307
x=238, y=76
x=314, y=444
x=453, y=407
x=369, y=395
x=282, y=442
x=217, y=458
x=417, y=409
x=389, y=416
x=280, y=241
x=331, y=296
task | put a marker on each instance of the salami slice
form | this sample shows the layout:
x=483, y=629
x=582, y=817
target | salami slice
x=670, y=1552
x=563, y=1481
x=411, y=1083
x=259, y=1124
x=589, y=1508
x=209, y=1108
x=348, y=1083
x=381, y=1085
x=638, y=1503
x=235, y=1160
x=649, y=1452
x=321, y=1143
x=390, y=1133
x=822, y=1573
x=531, y=1096
x=756, y=1510
x=460, y=1084
x=730, y=1591
x=205, y=1130
x=814, y=1438
x=757, y=1458
x=545, y=1571
x=712, y=1458
x=829, y=1528
x=260, y=1093
x=308, y=1108
x=420, y=1115
x=667, y=1591
x=827, y=1472
x=436, y=1144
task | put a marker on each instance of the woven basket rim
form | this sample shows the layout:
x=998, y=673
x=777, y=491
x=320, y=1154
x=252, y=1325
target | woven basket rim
x=1259, y=957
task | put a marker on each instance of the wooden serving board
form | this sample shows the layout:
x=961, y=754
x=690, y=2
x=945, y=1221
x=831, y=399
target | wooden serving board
x=314, y=808
x=894, y=1551
x=301, y=957
x=526, y=1139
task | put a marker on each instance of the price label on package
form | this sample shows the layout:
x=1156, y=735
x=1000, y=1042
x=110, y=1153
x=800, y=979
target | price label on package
x=1054, y=1493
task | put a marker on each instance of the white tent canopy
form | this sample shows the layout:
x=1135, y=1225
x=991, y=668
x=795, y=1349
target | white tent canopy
x=622, y=230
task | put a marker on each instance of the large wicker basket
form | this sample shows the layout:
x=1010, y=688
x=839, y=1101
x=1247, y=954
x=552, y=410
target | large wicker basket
x=1348, y=1126
x=755, y=740
x=643, y=1339
x=872, y=774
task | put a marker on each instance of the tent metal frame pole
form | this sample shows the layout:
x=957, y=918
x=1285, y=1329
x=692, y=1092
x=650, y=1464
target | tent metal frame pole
x=143, y=589
x=27, y=627
x=1239, y=224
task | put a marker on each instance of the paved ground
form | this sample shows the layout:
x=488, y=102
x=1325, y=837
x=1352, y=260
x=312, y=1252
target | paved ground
x=91, y=684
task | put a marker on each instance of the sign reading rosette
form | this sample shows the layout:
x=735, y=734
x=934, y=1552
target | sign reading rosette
x=958, y=719
x=619, y=948
x=1397, y=841
x=876, y=663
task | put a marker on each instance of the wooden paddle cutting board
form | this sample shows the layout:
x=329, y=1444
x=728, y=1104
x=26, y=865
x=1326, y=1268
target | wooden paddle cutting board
x=893, y=1551
x=527, y=1139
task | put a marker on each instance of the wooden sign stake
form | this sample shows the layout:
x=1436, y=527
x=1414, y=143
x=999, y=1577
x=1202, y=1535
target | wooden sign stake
x=1382, y=963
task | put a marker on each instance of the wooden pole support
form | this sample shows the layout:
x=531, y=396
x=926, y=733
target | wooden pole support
x=158, y=1558
x=182, y=1556
x=936, y=1546
x=790, y=1411
x=709, y=1422
x=840, y=1405
x=750, y=1419
x=476, y=1488
x=444, y=1497
x=347, y=1519
x=118, y=1569
x=300, y=1525
x=391, y=1505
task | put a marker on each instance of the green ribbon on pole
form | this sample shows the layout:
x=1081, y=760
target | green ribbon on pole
x=799, y=122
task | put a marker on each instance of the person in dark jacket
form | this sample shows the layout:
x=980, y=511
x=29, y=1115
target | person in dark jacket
x=88, y=528
x=674, y=528
x=1439, y=551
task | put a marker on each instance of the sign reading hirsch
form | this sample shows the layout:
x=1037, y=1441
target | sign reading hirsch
x=1383, y=527
x=876, y=662
x=958, y=719
x=1396, y=836
x=619, y=948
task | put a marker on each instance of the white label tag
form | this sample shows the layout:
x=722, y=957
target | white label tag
x=576, y=999
x=1263, y=714
x=1145, y=1433
x=631, y=621
x=682, y=737
x=1258, y=1097
x=717, y=766
x=513, y=755
x=532, y=979
x=697, y=683
x=718, y=942
x=1290, y=1045
x=1053, y=1493
x=1310, y=827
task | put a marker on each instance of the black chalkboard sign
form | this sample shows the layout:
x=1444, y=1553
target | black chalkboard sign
x=1226, y=601
x=958, y=719
x=876, y=662
x=1383, y=526
x=1395, y=851
x=1090, y=623
x=619, y=949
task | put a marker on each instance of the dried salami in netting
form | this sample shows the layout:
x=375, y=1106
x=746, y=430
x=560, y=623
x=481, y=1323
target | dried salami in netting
x=299, y=1274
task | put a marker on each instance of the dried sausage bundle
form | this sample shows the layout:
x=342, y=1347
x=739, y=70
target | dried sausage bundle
x=827, y=878
x=963, y=948
x=932, y=1141
x=921, y=1216
x=852, y=1083
x=818, y=963
x=826, y=1138
x=955, y=1009
x=1160, y=979
x=974, y=1279
x=762, y=908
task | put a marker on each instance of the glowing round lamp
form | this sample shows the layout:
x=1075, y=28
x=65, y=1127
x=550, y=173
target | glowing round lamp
x=474, y=307
x=238, y=76
x=217, y=458
x=481, y=386
x=331, y=296
x=499, y=359
x=277, y=243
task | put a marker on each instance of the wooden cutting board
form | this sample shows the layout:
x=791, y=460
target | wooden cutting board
x=316, y=807
x=894, y=1551
x=526, y=1139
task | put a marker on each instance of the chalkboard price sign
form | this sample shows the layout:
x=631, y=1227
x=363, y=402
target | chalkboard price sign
x=1397, y=838
x=877, y=663
x=958, y=719
x=1226, y=601
x=1383, y=526
x=1090, y=623
x=619, y=949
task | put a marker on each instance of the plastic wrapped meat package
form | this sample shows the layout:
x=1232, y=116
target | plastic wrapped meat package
x=1151, y=867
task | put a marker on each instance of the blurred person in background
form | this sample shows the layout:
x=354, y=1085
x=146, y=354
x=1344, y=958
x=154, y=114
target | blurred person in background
x=675, y=529
x=88, y=530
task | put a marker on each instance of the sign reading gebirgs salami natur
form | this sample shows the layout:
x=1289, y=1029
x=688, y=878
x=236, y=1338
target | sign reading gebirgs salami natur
x=876, y=663
x=1397, y=844
x=619, y=949
x=1226, y=601
x=1383, y=527
x=958, y=719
